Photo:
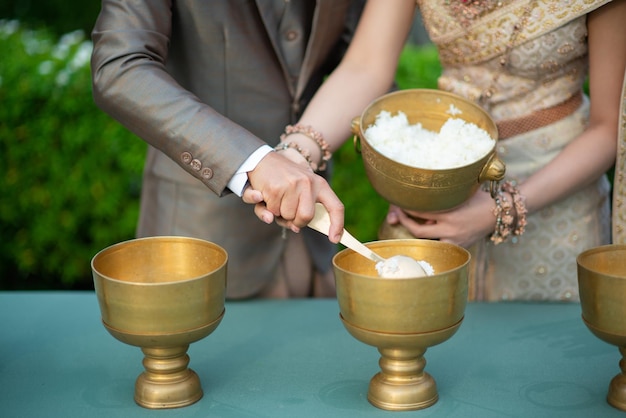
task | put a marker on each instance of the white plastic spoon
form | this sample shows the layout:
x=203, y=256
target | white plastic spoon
x=321, y=223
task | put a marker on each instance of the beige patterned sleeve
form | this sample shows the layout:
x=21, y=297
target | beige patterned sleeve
x=619, y=183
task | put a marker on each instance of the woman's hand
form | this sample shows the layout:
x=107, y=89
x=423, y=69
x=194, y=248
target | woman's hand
x=464, y=225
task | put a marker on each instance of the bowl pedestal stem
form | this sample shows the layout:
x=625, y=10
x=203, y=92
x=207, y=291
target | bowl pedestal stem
x=617, y=388
x=167, y=382
x=402, y=384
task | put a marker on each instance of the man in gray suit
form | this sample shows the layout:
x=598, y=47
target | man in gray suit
x=210, y=85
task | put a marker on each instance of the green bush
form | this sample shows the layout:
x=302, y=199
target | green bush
x=58, y=16
x=71, y=175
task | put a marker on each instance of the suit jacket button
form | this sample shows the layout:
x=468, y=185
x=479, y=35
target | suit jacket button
x=196, y=164
x=186, y=157
x=207, y=173
x=291, y=35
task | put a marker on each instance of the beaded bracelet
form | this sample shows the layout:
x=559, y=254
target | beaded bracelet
x=504, y=218
x=520, y=206
x=307, y=156
x=314, y=135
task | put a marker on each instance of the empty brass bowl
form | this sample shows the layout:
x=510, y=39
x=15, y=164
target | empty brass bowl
x=162, y=294
x=403, y=317
x=602, y=288
x=417, y=188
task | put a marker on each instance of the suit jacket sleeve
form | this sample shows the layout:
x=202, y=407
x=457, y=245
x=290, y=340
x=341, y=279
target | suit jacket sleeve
x=131, y=83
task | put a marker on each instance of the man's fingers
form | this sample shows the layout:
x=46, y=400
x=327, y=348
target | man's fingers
x=252, y=196
x=260, y=210
x=336, y=211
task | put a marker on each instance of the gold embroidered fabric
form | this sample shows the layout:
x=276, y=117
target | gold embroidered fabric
x=541, y=264
x=545, y=63
x=619, y=183
x=490, y=34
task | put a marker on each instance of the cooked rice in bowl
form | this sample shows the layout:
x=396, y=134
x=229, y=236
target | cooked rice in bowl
x=457, y=144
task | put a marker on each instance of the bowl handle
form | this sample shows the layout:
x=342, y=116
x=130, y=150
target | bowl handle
x=355, y=127
x=493, y=171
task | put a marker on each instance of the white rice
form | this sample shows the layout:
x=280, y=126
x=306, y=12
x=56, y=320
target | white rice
x=458, y=143
x=453, y=110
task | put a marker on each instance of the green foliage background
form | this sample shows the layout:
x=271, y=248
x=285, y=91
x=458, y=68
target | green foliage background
x=70, y=176
x=57, y=16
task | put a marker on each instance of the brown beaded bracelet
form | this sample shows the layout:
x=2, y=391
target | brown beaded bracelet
x=314, y=135
x=504, y=218
x=307, y=156
x=520, y=207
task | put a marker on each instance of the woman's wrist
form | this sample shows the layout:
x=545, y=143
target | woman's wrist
x=306, y=144
x=296, y=153
x=310, y=140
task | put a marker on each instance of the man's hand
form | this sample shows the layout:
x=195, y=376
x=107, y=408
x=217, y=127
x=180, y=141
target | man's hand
x=286, y=191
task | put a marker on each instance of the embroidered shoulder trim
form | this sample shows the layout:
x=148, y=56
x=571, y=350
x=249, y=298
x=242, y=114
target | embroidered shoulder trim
x=488, y=35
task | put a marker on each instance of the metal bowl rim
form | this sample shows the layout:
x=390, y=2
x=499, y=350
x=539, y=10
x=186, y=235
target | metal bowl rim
x=580, y=259
x=160, y=238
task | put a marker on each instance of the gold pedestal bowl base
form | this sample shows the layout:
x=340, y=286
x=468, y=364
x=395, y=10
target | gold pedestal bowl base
x=403, y=317
x=616, y=395
x=402, y=384
x=167, y=381
x=162, y=294
x=602, y=288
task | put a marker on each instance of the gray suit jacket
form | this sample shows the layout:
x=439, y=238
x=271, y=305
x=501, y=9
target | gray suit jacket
x=205, y=84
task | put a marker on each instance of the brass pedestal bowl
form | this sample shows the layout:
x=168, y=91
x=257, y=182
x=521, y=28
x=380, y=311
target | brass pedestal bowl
x=162, y=294
x=403, y=317
x=602, y=287
x=418, y=188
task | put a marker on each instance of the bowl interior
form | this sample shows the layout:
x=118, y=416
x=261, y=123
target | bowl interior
x=602, y=287
x=159, y=260
x=160, y=284
x=414, y=305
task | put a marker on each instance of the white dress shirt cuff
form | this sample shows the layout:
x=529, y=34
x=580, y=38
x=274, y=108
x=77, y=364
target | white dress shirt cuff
x=239, y=181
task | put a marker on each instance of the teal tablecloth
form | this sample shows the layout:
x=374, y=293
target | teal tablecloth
x=295, y=359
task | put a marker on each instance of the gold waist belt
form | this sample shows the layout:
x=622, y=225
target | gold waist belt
x=511, y=127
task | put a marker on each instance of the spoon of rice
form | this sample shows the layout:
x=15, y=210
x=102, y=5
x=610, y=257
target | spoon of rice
x=396, y=267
